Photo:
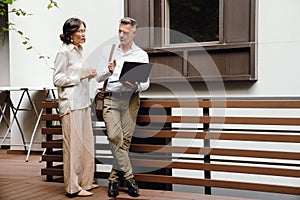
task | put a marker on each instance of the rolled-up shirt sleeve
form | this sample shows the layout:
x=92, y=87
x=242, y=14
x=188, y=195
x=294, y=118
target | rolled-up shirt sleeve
x=64, y=77
x=143, y=86
x=103, y=75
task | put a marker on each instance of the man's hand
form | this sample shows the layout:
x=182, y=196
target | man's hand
x=111, y=66
x=133, y=86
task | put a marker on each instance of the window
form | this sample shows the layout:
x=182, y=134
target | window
x=192, y=21
x=192, y=37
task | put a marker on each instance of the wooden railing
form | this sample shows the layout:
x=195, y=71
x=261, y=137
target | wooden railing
x=235, y=144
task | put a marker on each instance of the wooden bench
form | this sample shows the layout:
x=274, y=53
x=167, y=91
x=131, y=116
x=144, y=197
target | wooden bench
x=53, y=145
x=250, y=145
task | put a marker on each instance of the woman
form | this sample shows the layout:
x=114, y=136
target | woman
x=72, y=82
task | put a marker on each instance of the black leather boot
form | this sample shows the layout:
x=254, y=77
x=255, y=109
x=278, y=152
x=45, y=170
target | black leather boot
x=113, y=189
x=133, y=189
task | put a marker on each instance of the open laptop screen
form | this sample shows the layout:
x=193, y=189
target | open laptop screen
x=135, y=72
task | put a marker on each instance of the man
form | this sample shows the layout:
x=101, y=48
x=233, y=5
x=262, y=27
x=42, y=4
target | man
x=121, y=105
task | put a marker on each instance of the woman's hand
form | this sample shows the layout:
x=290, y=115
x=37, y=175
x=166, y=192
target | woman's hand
x=88, y=73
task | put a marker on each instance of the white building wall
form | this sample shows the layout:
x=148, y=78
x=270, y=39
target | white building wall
x=43, y=28
x=278, y=49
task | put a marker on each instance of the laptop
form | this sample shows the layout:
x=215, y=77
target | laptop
x=135, y=72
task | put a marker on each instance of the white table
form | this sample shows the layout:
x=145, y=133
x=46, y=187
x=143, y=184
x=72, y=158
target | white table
x=15, y=108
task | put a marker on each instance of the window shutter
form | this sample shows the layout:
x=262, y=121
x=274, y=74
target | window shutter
x=141, y=11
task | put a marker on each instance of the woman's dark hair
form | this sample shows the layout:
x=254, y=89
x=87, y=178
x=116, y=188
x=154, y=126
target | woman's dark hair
x=70, y=27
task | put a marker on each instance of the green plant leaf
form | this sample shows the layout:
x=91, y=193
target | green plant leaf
x=10, y=23
x=12, y=27
x=8, y=1
x=55, y=4
x=23, y=12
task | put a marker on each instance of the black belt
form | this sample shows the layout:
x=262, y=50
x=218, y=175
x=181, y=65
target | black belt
x=119, y=94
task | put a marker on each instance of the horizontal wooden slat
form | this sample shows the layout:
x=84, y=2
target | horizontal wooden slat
x=144, y=148
x=102, y=146
x=49, y=104
x=278, y=104
x=255, y=120
x=174, y=103
x=99, y=131
x=217, y=167
x=103, y=175
x=196, y=103
x=52, y=172
x=52, y=144
x=256, y=137
x=220, y=120
x=52, y=158
x=50, y=117
x=218, y=183
x=52, y=131
x=292, y=138
x=103, y=160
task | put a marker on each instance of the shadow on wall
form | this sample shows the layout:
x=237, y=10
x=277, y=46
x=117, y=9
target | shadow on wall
x=189, y=89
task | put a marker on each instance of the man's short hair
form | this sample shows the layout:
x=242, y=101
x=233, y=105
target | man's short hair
x=129, y=20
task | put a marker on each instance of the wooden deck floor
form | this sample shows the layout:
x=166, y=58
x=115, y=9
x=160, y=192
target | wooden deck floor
x=23, y=180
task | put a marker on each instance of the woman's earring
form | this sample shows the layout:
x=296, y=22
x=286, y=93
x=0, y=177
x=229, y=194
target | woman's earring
x=72, y=40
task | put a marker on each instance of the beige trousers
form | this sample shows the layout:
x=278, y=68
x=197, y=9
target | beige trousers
x=78, y=150
x=120, y=112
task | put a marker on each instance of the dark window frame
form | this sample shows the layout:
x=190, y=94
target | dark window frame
x=202, y=22
x=234, y=55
